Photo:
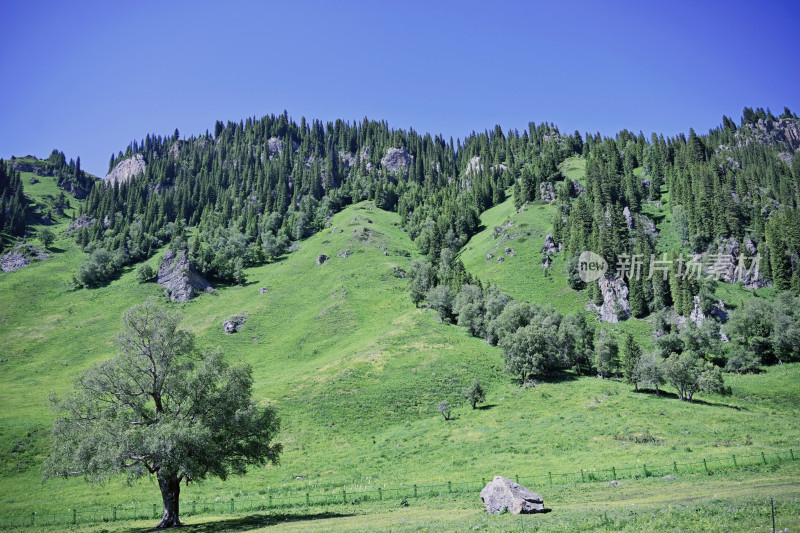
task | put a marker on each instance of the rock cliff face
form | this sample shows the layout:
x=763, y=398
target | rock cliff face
x=179, y=278
x=125, y=170
x=783, y=132
x=396, y=159
x=615, y=305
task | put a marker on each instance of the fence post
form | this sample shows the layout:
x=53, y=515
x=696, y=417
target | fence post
x=763, y=458
x=450, y=487
x=114, y=515
x=154, y=511
x=674, y=467
x=791, y=453
x=614, y=472
x=583, y=479
x=232, y=510
x=344, y=495
x=74, y=516
x=33, y=519
x=516, y=478
x=705, y=466
x=415, y=490
x=644, y=467
x=270, y=501
x=380, y=494
x=734, y=461
x=550, y=475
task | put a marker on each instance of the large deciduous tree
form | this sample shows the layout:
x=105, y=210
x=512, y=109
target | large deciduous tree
x=161, y=408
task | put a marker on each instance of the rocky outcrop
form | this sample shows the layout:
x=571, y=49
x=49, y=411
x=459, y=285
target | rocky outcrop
x=179, y=277
x=502, y=493
x=718, y=311
x=231, y=325
x=275, y=146
x=783, y=132
x=396, y=159
x=626, y=212
x=322, y=259
x=82, y=221
x=127, y=169
x=550, y=246
x=615, y=305
x=21, y=257
x=547, y=192
x=577, y=188
x=726, y=261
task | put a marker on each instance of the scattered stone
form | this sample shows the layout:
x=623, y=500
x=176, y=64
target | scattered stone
x=614, y=483
x=127, y=169
x=255, y=339
x=321, y=259
x=502, y=493
x=499, y=259
x=489, y=256
x=263, y=290
x=21, y=257
x=668, y=477
x=231, y=325
x=33, y=180
x=179, y=277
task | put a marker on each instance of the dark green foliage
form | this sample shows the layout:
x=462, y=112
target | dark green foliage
x=161, y=408
x=606, y=355
x=145, y=273
x=631, y=355
x=474, y=394
x=689, y=373
x=46, y=237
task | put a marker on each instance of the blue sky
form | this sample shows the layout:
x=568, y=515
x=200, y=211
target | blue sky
x=89, y=77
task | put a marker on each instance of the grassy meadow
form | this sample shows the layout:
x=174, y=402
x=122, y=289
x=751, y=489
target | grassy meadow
x=356, y=371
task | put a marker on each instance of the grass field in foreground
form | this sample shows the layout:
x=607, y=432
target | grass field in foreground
x=733, y=501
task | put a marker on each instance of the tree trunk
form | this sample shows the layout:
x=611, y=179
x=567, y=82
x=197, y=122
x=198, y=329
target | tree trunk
x=170, y=493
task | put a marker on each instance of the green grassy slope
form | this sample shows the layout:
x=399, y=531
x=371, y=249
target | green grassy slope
x=356, y=371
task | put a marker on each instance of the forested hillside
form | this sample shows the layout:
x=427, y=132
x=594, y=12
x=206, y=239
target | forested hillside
x=251, y=188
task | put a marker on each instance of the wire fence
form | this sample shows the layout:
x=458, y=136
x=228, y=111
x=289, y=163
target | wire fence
x=283, y=500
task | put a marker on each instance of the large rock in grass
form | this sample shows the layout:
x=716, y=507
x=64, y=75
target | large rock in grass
x=179, y=277
x=502, y=493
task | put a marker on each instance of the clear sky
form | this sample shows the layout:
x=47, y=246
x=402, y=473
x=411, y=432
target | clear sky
x=89, y=77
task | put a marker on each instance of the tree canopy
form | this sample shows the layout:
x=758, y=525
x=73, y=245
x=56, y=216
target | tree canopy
x=161, y=407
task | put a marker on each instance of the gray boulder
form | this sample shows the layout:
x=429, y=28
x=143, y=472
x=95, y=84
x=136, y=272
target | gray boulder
x=322, y=259
x=231, y=325
x=549, y=245
x=577, y=188
x=179, y=277
x=502, y=493
x=547, y=192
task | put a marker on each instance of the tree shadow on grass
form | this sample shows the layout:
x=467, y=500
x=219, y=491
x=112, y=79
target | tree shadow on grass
x=249, y=522
x=486, y=407
x=673, y=396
